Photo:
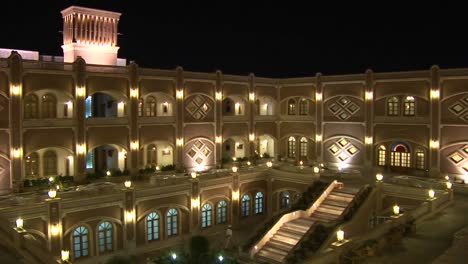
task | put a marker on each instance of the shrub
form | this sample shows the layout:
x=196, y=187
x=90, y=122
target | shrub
x=168, y=167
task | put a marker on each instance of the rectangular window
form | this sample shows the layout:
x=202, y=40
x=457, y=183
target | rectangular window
x=89, y=160
x=420, y=160
x=405, y=159
x=381, y=157
x=88, y=107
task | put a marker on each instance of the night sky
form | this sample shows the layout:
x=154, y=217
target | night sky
x=270, y=40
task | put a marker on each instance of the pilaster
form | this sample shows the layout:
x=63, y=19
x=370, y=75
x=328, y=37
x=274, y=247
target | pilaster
x=79, y=68
x=219, y=118
x=434, y=95
x=133, y=117
x=319, y=116
x=251, y=114
x=369, y=113
x=55, y=225
x=179, y=118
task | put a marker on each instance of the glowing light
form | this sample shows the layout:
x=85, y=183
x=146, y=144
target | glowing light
x=301, y=163
x=369, y=95
x=174, y=256
x=195, y=202
x=134, y=93
x=218, y=139
x=252, y=137
x=435, y=94
x=269, y=164
x=256, y=248
x=128, y=184
x=340, y=235
x=129, y=215
x=234, y=158
x=316, y=170
x=318, y=137
x=108, y=173
x=15, y=90
x=65, y=255
x=219, y=96
x=220, y=258
x=200, y=168
x=17, y=153
x=193, y=174
x=449, y=185
x=122, y=154
x=318, y=97
x=434, y=144
x=52, y=193
x=265, y=106
x=252, y=96
x=51, y=179
x=447, y=177
x=134, y=145
x=249, y=163
x=157, y=168
x=431, y=194
x=69, y=104
x=54, y=230
x=235, y=195
x=19, y=223
x=180, y=142
x=235, y=169
x=180, y=94
x=379, y=177
x=81, y=148
x=368, y=140
x=80, y=91
x=120, y=105
x=396, y=209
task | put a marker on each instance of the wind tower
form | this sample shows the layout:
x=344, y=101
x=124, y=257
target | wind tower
x=91, y=34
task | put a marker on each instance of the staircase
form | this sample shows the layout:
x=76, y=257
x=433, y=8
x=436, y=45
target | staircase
x=289, y=234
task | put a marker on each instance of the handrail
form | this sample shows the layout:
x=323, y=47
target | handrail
x=292, y=216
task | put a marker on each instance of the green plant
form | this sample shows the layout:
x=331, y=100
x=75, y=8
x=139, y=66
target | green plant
x=168, y=167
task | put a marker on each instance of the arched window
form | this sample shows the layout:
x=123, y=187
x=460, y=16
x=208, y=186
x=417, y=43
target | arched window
x=165, y=108
x=32, y=165
x=221, y=218
x=171, y=222
x=30, y=106
x=152, y=226
x=285, y=200
x=150, y=106
x=227, y=106
x=291, y=107
x=80, y=242
x=140, y=107
x=420, y=159
x=245, y=205
x=49, y=106
x=409, y=106
x=105, y=237
x=50, y=163
x=400, y=156
x=151, y=154
x=303, y=147
x=382, y=155
x=259, y=203
x=207, y=213
x=393, y=106
x=291, y=147
x=303, y=107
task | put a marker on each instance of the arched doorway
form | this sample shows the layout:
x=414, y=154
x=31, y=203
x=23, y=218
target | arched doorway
x=105, y=158
x=266, y=146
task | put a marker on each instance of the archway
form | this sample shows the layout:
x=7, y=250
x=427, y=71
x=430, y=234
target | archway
x=266, y=145
x=158, y=153
x=105, y=104
x=234, y=147
x=108, y=157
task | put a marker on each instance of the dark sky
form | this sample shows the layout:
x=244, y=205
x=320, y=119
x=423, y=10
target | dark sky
x=271, y=40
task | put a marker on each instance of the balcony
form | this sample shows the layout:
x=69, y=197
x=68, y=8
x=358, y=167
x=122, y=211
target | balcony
x=52, y=122
x=106, y=121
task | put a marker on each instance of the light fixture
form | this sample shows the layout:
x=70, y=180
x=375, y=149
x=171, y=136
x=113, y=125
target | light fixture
x=65, y=255
x=52, y=193
x=435, y=94
x=252, y=96
x=54, y=229
x=318, y=137
x=249, y=163
x=193, y=174
x=129, y=215
x=234, y=158
x=449, y=185
x=19, y=223
x=128, y=184
x=108, y=173
x=316, y=170
x=434, y=144
x=369, y=95
x=195, y=202
x=379, y=177
x=180, y=94
x=220, y=258
x=157, y=168
x=234, y=169
x=180, y=142
x=219, y=96
x=80, y=91
x=235, y=195
x=318, y=97
x=368, y=140
x=218, y=139
x=134, y=145
x=340, y=235
x=134, y=93
x=301, y=163
x=431, y=194
x=396, y=210
x=252, y=137
x=447, y=177
x=51, y=179
x=269, y=164
x=15, y=90
x=17, y=153
x=81, y=148
x=174, y=256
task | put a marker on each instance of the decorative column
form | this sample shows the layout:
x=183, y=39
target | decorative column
x=368, y=120
x=179, y=110
x=79, y=67
x=434, y=139
x=55, y=225
x=195, y=204
x=278, y=123
x=15, y=63
x=318, y=116
x=133, y=118
x=219, y=118
x=235, y=203
x=130, y=219
x=251, y=116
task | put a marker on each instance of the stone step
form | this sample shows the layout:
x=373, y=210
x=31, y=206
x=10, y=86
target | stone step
x=320, y=220
x=338, y=193
x=337, y=203
x=294, y=229
x=289, y=234
x=338, y=197
x=330, y=210
x=347, y=190
x=321, y=215
x=305, y=221
x=280, y=246
x=275, y=250
x=283, y=239
x=269, y=257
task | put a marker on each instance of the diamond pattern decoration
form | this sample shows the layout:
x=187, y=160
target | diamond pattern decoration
x=460, y=158
x=459, y=108
x=344, y=108
x=199, y=152
x=2, y=170
x=343, y=149
x=198, y=107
